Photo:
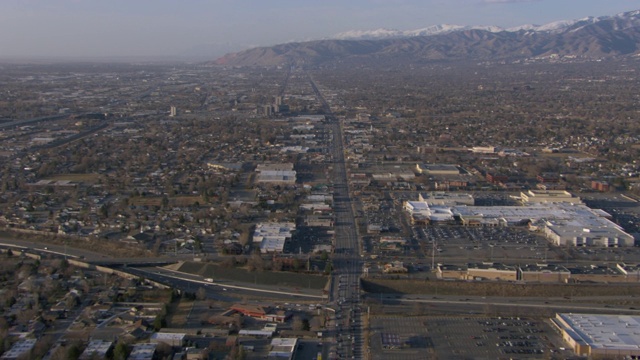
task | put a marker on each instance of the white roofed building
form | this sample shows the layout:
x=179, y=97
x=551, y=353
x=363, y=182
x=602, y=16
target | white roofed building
x=563, y=223
x=96, y=349
x=173, y=339
x=447, y=198
x=283, y=348
x=548, y=196
x=273, y=236
x=600, y=336
x=20, y=349
x=437, y=169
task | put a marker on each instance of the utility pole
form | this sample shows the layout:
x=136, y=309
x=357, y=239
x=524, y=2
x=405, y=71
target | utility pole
x=433, y=256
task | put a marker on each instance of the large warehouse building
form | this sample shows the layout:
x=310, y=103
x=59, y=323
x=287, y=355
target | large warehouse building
x=600, y=336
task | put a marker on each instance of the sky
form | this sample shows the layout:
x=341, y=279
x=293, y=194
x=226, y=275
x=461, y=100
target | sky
x=168, y=28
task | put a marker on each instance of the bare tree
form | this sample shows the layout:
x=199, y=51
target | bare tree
x=201, y=294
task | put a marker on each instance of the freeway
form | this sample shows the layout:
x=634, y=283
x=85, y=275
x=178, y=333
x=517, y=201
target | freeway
x=149, y=268
x=345, y=281
x=32, y=121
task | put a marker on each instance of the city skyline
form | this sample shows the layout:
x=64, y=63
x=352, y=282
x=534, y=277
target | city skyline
x=200, y=28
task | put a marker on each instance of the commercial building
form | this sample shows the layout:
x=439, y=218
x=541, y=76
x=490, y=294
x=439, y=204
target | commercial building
x=274, y=167
x=563, y=222
x=421, y=213
x=495, y=178
x=548, y=178
x=451, y=272
x=277, y=177
x=437, y=169
x=172, y=339
x=543, y=273
x=491, y=271
x=276, y=173
x=262, y=313
x=142, y=351
x=392, y=243
x=548, y=196
x=579, y=225
x=540, y=273
x=273, y=236
x=477, y=271
x=484, y=149
x=96, y=349
x=600, y=336
x=446, y=198
x=602, y=186
x=283, y=348
x=19, y=350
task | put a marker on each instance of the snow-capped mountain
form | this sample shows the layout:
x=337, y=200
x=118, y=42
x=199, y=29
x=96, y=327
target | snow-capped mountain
x=587, y=38
x=392, y=33
x=552, y=27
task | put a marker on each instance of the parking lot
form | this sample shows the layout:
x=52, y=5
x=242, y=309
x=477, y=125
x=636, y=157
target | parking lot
x=486, y=243
x=514, y=244
x=412, y=333
x=466, y=338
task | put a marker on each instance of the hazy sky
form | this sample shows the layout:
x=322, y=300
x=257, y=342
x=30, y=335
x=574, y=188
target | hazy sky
x=115, y=28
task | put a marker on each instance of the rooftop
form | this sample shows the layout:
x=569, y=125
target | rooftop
x=605, y=331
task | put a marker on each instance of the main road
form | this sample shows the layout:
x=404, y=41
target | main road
x=345, y=281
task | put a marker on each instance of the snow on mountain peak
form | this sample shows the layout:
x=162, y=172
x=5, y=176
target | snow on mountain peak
x=555, y=27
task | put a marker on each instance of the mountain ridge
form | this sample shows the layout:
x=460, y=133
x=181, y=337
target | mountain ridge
x=588, y=38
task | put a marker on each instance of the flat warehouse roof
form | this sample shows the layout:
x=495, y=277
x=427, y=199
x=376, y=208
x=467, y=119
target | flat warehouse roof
x=605, y=331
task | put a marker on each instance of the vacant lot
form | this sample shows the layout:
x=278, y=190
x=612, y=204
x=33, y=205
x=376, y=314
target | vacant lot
x=81, y=178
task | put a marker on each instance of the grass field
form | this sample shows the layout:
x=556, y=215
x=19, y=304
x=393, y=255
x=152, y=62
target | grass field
x=173, y=201
x=504, y=289
x=145, y=201
x=285, y=279
x=185, y=200
x=178, y=313
x=82, y=178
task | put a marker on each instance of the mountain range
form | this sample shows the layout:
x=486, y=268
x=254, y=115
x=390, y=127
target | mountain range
x=588, y=38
